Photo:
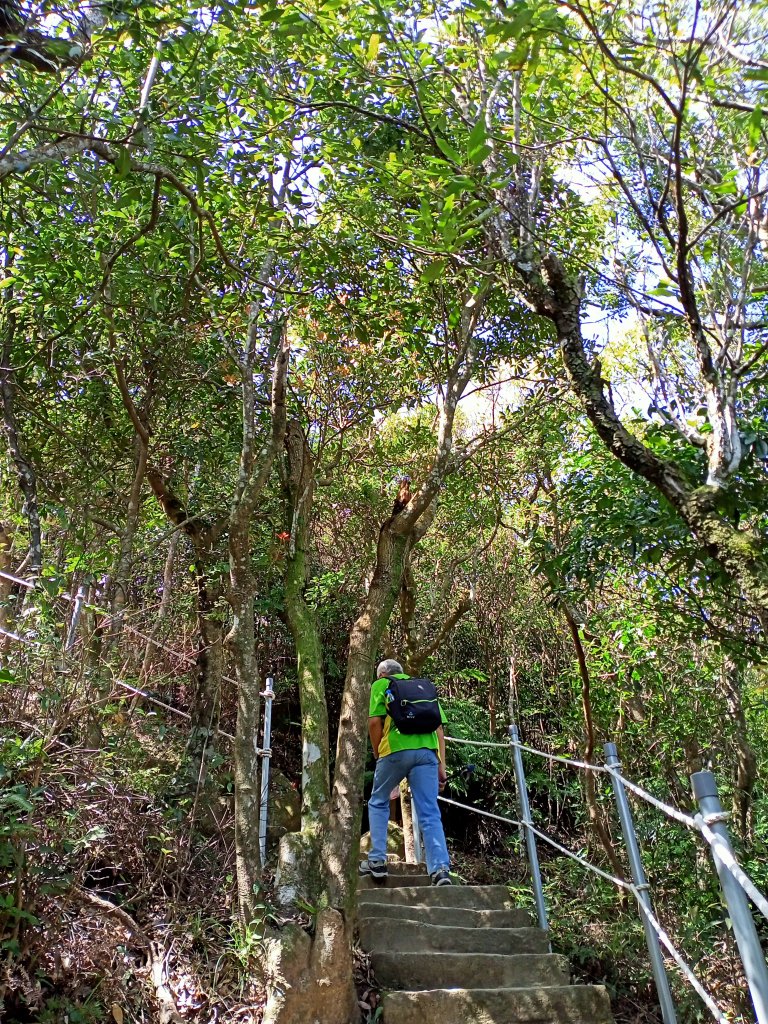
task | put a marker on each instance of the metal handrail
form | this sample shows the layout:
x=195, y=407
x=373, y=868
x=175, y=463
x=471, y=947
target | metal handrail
x=697, y=823
x=620, y=883
x=709, y=825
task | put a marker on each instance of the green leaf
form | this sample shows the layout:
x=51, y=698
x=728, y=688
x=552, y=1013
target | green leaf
x=476, y=156
x=448, y=151
x=122, y=162
x=17, y=800
x=373, y=47
x=477, y=136
x=432, y=271
x=753, y=127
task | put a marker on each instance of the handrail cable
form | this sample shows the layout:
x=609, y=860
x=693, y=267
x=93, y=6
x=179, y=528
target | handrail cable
x=621, y=883
x=476, y=743
x=727, y=859
x=697, y=824
x=17, y=579
x=599, y=769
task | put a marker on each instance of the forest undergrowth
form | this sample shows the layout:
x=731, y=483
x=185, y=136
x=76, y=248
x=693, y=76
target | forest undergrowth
x=119, y=900
x=122, y=903
x=339, y=331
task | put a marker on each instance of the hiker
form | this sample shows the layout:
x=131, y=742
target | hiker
x=419, y=757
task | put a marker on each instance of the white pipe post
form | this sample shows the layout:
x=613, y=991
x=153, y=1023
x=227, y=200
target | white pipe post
x=744, y=931
x=265, y=753
x=417, y=846
x=641, y=885
x=82, y=590
x=530, y=838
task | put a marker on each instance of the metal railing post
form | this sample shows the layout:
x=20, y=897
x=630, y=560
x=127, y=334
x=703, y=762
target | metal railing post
x=265, y=754
x=530, y=839
x=418, y=851
x=77, y=611
x=755, y=969
x=641, y=884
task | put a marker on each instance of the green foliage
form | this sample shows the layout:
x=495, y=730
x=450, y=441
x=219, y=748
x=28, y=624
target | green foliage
x=437, y=156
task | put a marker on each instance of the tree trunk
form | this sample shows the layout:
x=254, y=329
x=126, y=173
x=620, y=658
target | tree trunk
x=205, y=705
x=745, y=774
x=241, y=643
x=6, y=585
x=346, y=800
x=740, y=553
x=302, y=865
x=254, y=472
x=311, y=979
x=165, y=602
x=491, y=698
x=121, y=573
x=306, y=633
x=26, y=472
x=209, y=660
x=590, y=794
x=140, y=419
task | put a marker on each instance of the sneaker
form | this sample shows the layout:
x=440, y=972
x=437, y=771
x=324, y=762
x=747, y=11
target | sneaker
x=375, y=868
x=441, y=877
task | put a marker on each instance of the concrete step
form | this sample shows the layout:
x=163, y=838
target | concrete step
x=560, y=1004
x=456, y=917
x=381, y=935
x=470, y=970
x=474, y=897
x=393, y=880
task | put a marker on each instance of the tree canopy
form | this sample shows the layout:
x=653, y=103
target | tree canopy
x=333, y=331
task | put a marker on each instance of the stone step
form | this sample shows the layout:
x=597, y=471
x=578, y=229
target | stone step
x=401, y=867
x=474, y=897
x=394, y=880
x=470, y=970
x=381, y=935
x=456, y=917
x=558, y=1004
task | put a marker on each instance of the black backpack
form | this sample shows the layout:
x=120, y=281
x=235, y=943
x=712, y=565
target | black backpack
x=412, y=705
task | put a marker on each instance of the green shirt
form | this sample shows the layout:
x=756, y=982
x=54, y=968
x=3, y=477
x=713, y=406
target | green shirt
x=392, y=739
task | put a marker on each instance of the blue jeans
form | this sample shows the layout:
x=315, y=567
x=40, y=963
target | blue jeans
x=420, y=768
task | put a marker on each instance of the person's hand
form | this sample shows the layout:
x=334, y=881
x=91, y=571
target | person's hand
x=442, y=777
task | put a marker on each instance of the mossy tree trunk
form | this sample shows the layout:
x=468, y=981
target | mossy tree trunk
x=397, y=536
x=745, y=769
x=256, y=462
x=557, y=295
x=301, y=869
x=347, y=794
x=209, y=661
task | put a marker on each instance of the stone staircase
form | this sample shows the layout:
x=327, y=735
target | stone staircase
x=465, y=955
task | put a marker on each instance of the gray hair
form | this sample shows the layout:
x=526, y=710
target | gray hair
x=388, y=667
